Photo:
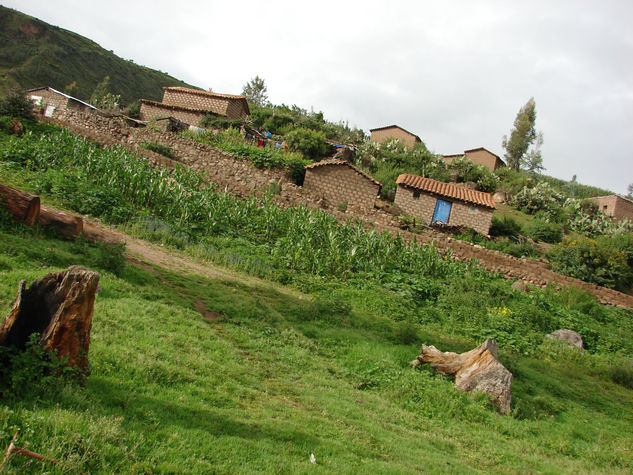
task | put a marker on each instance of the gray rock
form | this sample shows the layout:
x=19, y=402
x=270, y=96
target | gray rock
x=568, y=336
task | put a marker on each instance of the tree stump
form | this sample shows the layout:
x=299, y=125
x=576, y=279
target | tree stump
x=478, y=369
x=59, y=307
x=24, y=207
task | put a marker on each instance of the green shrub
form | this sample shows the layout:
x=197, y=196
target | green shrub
x=134, y=110
x=32, y=372
x=309, y=143
x=16, y=105
x=595, y=261
x=540, y=230
x=164, y=150
x=506, y=226
x=467, y=170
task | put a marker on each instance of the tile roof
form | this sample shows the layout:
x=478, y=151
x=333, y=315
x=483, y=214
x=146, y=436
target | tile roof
x=176, y=108
x=200, y=92
x=343, y=162
x=449, y=190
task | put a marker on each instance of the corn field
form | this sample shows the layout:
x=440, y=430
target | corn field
x=120, y=187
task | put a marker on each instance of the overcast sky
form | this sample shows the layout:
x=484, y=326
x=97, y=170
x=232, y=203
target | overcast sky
x=454, y=73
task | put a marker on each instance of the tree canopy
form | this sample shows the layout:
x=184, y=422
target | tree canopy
x=522, y=136
x=255, y=91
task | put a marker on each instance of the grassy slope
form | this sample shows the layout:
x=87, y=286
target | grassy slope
x=275, y=378
x=34, y=53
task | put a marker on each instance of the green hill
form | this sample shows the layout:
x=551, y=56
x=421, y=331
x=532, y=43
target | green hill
x=34, y=53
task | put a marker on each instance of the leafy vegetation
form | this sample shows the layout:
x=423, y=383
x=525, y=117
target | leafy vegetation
x=161, y=149
x=309, y=143
x=35, y=54
x=275, y=375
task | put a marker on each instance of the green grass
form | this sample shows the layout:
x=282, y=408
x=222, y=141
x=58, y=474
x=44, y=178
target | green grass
x=36, y=54
x=276, y=377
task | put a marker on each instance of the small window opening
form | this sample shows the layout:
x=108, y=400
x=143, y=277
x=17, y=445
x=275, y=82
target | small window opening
x=416, y=195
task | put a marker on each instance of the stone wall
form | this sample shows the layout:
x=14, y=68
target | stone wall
x=240, y=176
x=422, y=205
x=339, y=183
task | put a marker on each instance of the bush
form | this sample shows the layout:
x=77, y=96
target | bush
x=541, y=199
x=309, y=143
x=540, y=230
x=595, y=261
x=134, y=110
x=506, y=226
x=467, y=170
x=16, y=105
x=163, y=150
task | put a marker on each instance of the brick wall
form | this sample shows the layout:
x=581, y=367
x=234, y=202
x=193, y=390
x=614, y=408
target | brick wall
x=341, y=184
x=150, y=111
x=615, y=206
x=462, y=214
x=485, y=158
x=385, y=134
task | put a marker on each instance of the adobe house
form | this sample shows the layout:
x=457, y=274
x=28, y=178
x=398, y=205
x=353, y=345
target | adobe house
x=339, y=181
x=51, y=101
x=192, y=105
x=382, y=134
x=480, y=156
x=436, y=202
x=614, y=205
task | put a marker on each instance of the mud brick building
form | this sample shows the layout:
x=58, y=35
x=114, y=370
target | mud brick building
x=480, y=156
x=434, y=201
x=192, y=105
x=339, y=181
x=614, y=205
x=52, y=102
x=382, y=134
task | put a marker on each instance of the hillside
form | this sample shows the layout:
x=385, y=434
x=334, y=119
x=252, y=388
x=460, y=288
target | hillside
x=201, y=370
x=34, y=53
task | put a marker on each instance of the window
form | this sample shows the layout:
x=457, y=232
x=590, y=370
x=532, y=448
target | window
x=416, y=195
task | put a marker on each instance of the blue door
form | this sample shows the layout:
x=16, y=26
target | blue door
x=442, y=212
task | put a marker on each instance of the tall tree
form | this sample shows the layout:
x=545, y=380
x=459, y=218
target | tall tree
x=255, y=91
x=522, y=135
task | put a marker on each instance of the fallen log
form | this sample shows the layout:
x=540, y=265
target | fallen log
x=66, y=224
x=24, y=207
x=59, y=307
x=478, y=369
x=96, y=233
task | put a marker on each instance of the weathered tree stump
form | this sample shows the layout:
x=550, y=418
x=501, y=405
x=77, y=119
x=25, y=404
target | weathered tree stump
x=24, y=207
x=478, y=369
x=59, y=307
x=66, y=224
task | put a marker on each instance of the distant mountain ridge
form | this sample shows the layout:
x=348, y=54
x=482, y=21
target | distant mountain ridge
x=34, y=53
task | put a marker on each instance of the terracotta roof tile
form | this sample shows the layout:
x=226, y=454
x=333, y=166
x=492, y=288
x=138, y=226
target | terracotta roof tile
x=200, y=92
x=323, y=163
x=449, y=190
x=170, y=107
